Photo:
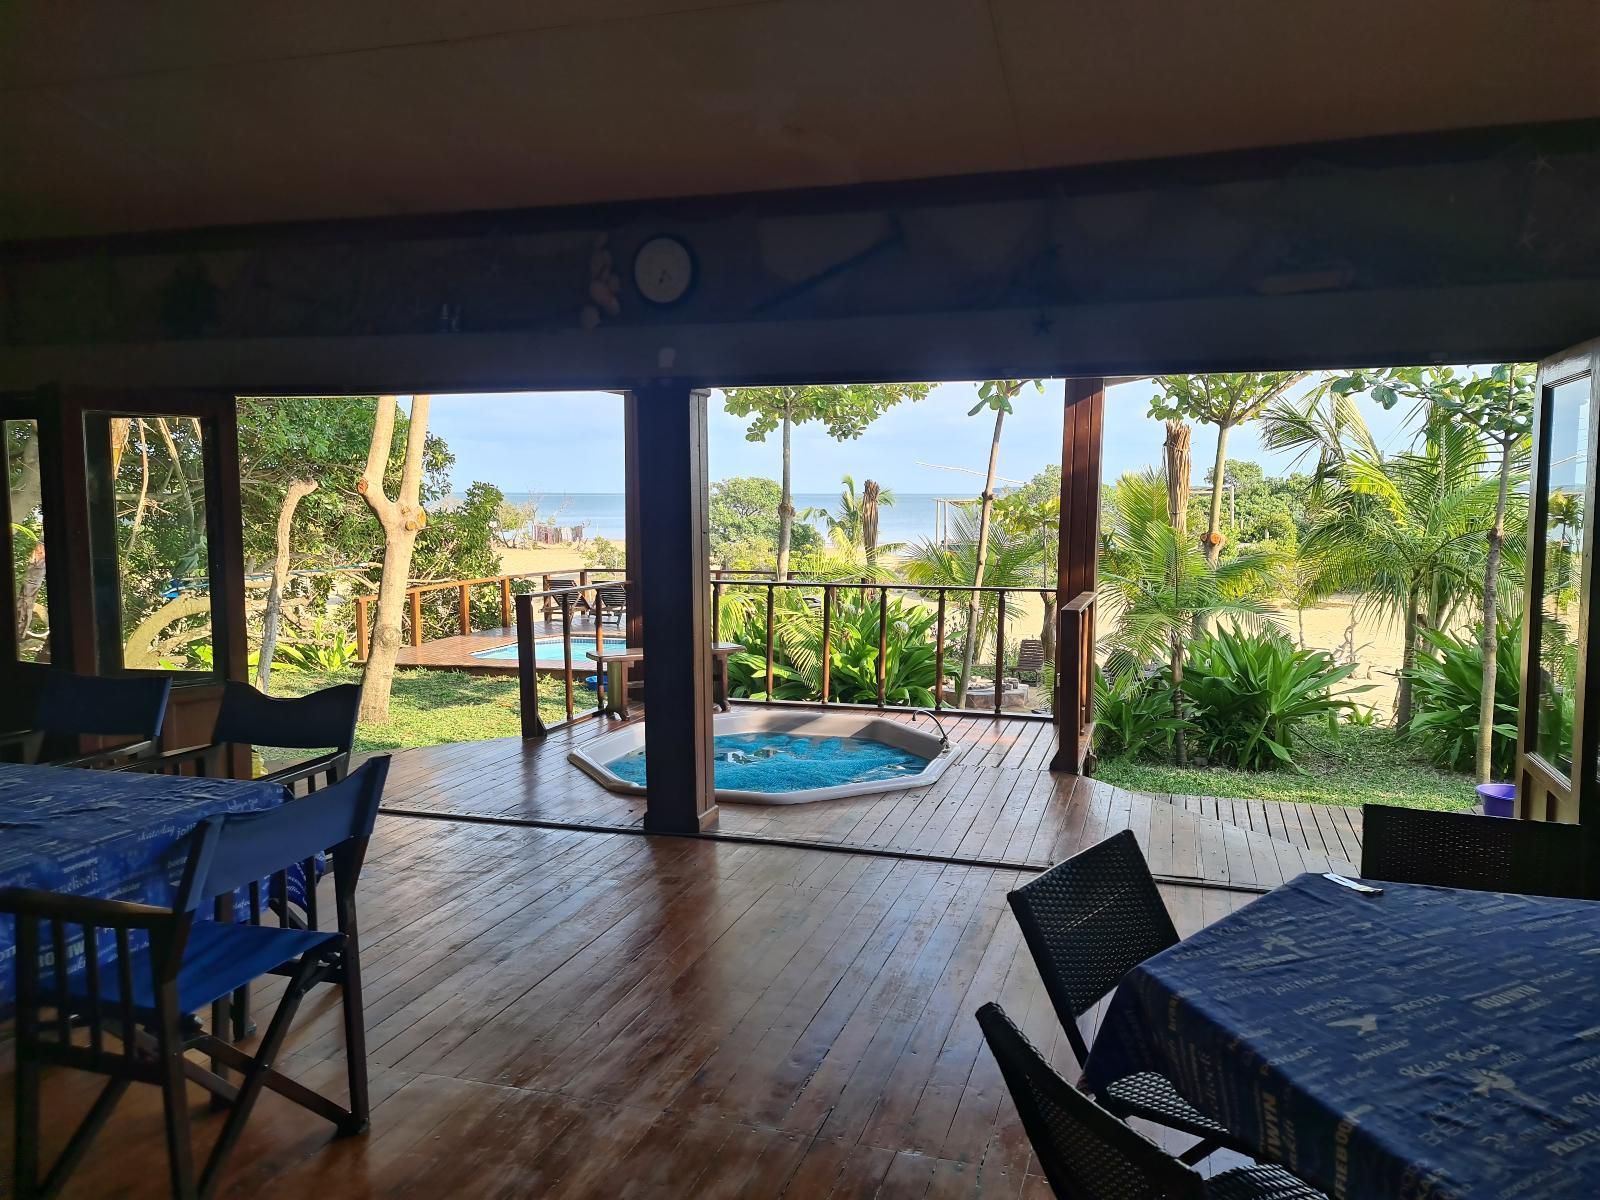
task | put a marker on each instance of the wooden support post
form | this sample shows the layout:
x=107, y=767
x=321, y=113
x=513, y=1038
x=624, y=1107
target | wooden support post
x=668, y=472
x=505, y=600
x=465, y=604
x=361, y=628
x=1077, y=567
x=527, y=669
x=416, y=618
x=632, y=548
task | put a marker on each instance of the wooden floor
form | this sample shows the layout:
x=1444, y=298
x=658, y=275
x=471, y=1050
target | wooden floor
x=998, y=804
x=564, y=1014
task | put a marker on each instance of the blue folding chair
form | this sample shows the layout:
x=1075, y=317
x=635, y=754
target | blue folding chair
x=179, y=966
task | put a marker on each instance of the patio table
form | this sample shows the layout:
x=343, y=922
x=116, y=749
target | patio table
x=1426, y=1043
x=114, y=835
x=613, y=666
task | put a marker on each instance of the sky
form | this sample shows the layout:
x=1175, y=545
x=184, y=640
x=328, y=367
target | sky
x=563, y=442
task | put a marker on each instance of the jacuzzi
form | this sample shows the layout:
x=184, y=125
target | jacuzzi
x=774, y=756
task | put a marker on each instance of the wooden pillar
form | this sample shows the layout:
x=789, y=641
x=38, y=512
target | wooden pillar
x=666, y=458
x=1077, y=570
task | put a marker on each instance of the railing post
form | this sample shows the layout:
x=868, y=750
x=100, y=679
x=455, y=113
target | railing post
x=938, y=659
x=566, y=645
x=883, y=645
x=416, y=617
x=466, y=611
x=999, y=651
x=827, y=640
x=505, y=600
x=716, y=608
x=771, y=589
x=362, y=635
x=527, y=670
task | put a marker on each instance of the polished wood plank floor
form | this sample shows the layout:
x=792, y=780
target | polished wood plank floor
x=555, y=1013
x=998, y=803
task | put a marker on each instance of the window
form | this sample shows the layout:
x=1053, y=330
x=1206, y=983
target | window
x=150, y=541
x=27, y=541
x=1566, y=475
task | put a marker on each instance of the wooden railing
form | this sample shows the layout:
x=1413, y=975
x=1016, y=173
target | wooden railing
x=938, y=595
x=1075, y=674
x=528, y=672
x=465, y=623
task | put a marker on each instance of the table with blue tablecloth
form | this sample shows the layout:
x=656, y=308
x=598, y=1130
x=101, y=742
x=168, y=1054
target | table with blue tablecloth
x=115, y=835
x=1426, y=1043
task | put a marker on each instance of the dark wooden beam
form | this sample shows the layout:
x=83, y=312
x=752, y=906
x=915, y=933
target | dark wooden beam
x=632, y=547
x=1077, y=569
x=668, y=474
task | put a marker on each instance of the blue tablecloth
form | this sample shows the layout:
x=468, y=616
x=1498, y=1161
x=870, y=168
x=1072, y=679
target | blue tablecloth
x=1424, y=1043
x=108, y=834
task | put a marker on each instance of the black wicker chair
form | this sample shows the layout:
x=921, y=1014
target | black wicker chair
x=1088, y=921
x=1088, y=1154
x=1470, y=851
x=71, y=707
x=612, y=602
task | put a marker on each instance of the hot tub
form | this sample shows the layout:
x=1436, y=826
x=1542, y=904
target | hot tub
x=773, y=756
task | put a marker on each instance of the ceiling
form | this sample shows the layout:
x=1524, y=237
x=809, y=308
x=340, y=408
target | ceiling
x=121, y=117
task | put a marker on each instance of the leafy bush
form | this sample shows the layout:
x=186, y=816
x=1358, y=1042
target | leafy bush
x=328, y=649
x=1133, y=716
x=853, y=652
x=1248, y=692
x=1446, y=689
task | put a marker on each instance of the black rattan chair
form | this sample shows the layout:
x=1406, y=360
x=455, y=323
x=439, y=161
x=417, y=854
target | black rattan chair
x=1471, y=851
x=1088, y=921
x=71, y=707
x=1086, y=1153
x=612, y=602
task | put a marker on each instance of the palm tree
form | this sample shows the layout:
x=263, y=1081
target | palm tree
x=1158, y=585
x=1011, y=561
x=1409, y=533
x=854, y=526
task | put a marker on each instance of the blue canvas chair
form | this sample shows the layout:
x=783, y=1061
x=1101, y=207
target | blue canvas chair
x=70, y=707
x=125, y=1018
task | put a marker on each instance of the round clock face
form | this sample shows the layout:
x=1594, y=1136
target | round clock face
x=663, y=270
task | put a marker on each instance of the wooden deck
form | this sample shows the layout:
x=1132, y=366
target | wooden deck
x=458, y=652
x=997, y=804
x=564, y=1014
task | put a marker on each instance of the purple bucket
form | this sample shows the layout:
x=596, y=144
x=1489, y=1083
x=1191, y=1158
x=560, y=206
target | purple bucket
x=1499, y=799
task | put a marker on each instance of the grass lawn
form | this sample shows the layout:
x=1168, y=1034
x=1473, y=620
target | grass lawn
x=1354, y=766
x=432, y=708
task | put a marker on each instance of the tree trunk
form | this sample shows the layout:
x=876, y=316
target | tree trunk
x=299, y=489
x=869, y=525
x=1488, y=643
x=1218, y=476
x=401, y=518
x=1178, y=471
x=1047, y=628
x=785, y=504
x=985, y=514
x=1408, y=662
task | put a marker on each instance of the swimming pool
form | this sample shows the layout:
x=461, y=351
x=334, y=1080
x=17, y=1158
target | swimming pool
x=547, y=651
x=787, y=762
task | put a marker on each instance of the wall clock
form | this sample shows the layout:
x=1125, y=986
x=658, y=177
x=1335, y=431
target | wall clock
x=663, y=270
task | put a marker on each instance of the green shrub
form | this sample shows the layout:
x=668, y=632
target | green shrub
x=1446, y=688
x=1248, y=692
x=1133, y=716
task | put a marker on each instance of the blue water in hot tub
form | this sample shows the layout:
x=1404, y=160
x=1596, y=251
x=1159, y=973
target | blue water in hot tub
x=790, y=762
x=549, y=653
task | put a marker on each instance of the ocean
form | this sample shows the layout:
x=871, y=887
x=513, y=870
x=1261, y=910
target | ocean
x=912, y=518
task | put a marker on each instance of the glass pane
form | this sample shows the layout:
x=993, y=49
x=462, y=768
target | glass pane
x=27, y=542
x=1567, y=448
x=161, y=564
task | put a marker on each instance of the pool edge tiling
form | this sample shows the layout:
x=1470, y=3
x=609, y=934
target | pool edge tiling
x=594, y=758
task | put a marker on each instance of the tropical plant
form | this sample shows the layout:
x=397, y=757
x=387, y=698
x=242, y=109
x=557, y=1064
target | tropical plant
x=1223, y=400
x=327, y=649
x=1408, y=533
x=1156, y=585
x=852, y=650
x=845, y=411
x=1249, y=692
x=1134, y=715
x=1446, y=692
x=1499, y=406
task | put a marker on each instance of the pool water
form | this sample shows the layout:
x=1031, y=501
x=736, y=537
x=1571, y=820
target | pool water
x=787, y=762
x=549, y=651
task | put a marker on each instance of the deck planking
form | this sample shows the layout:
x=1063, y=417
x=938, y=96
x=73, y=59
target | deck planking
x=997, y=803
x=569, y=1014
